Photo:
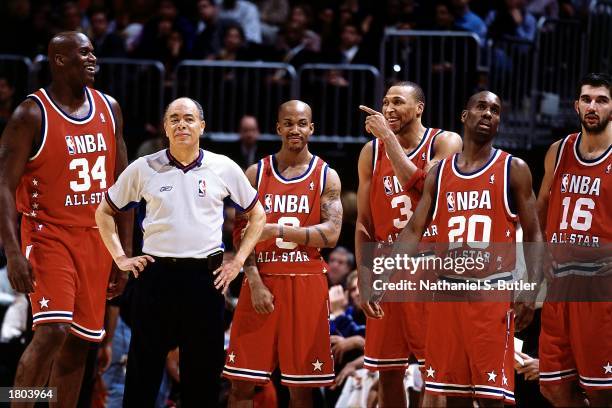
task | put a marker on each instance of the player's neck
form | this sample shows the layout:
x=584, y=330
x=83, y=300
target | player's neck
x=592, y=142
x=286, y=158
x=185, y=155
x=411, y=136
x=475, y=154
x=67, y=94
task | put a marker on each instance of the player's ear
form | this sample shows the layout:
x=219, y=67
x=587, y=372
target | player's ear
x=576, y=102
x=278, y=131
x=59, y=59
x=311, y=128
x=420, y=108
x=463, y=115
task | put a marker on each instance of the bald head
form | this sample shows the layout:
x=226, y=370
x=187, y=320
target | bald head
x=64, y=42
x=187, y=101
x=482, y=96
x=294, y=106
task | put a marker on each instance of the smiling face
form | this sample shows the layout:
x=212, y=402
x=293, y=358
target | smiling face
x=481, y=116
x=594, y=107
x=400, y=107
x=71, y=55
x=294, y=125
x=183, y=124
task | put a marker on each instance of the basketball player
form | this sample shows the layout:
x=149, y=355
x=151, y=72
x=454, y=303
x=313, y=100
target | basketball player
x=282, y=313
x=61, y=150
x=469, y=347
x=391, y=172
x=575, y=210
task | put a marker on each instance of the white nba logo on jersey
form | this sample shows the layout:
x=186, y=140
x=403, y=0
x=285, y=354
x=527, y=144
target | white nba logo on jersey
x=268, y=203
x=450, y=202
x=564, y=183
x=492, y=179
x=387, y=185
x=201, y=188
x=424, y=156
x=70, y=144
x=102, y=118
x=608, y=168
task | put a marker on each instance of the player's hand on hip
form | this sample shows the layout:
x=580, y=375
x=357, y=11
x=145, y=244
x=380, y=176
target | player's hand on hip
x=376, y=124
x=226, y=273
x=262, y=298
x=20, y=273
x=372, y=310
x=135, y=265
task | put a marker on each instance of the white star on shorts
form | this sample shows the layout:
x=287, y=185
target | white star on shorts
x=232, y=357
x=492, y=376
x=35, y=182
x=317, y=365
x=431, y=372
x=608, y=368
x=44, y=302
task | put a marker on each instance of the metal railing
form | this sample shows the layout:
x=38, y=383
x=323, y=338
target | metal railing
x=445, y=64
x=336, y=90
x=599, y=34
x=138, y=86
x=511, y=76
x=228, y=90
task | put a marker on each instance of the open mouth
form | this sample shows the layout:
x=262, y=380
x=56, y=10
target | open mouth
x=484, y=125
x=90, y=68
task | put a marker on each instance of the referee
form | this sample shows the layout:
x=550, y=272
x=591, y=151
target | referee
x=175, y=299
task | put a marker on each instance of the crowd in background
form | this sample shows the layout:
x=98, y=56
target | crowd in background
x=270, y=30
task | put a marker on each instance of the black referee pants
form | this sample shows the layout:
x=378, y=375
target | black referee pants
x=175, y=305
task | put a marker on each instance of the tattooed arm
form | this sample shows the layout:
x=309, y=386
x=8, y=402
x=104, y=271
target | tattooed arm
x=323, y=235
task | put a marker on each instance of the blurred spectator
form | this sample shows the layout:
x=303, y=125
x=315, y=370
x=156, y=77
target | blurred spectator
x=350, y=49
x=156, y=140
x=511, y=18
x=7, y=102
x=71, y=18
x=302, y=14
x=210, y=29
x=246, y=14
x=273, y=13
x=291, y=45
x=235, y=46
x=156, y=32
x=16, y=24
x=543, y=8
x=341, y=261
x=466, y=20
x=129, y=30
x=248, y=133
x=444, y=20
x=174, y=53
x=106, y=43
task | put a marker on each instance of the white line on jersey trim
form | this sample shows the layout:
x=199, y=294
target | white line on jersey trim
x=374, y=154
x=44, y=122
x=479, y=172
x=589, y=164
x=63, y=115
x=108, y=108
x=313, y=165
x=507, y=187
x=438, y=179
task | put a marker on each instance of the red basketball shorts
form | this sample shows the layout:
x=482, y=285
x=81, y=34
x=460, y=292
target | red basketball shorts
x=576, y=343
x=391, y=341
x=470, y=350
x=71, y=267
x=295, y=336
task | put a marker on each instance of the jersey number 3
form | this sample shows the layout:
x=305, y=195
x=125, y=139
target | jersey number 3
x=405, y=207
x=98, y=172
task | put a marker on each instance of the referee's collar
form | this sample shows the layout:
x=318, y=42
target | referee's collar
x=196, y=163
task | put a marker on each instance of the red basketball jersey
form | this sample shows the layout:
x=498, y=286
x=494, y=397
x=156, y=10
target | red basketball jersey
x=67, y=177
x=293, y=202
x=579, y=211
x=390, y=205
x=473, y=211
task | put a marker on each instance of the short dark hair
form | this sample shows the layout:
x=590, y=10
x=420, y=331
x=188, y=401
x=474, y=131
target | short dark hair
x=595, y=79
x=196, y=103
x=419, y=95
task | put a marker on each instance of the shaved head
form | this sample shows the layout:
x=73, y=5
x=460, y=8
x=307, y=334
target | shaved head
x=295, y=106
x=64, y=42
x=481, y=95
